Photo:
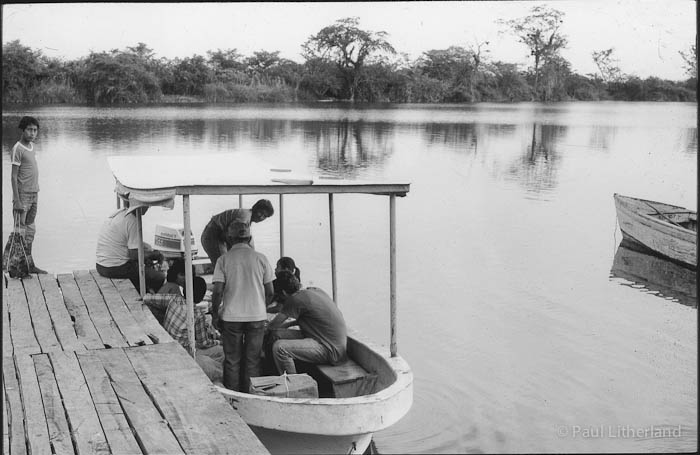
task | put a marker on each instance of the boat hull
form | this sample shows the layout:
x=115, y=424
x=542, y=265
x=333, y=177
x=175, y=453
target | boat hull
x=640, y=222
x=331, y=425
x=283, y=442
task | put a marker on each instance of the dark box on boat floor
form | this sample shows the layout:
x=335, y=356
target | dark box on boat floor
x=287, y=385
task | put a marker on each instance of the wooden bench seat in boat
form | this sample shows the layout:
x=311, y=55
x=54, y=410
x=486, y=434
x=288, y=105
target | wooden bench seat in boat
x=348, y=379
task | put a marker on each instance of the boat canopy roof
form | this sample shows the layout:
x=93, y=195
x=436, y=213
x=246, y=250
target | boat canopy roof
x=156, y=180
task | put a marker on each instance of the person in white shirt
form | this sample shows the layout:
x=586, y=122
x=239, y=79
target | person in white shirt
x=242, y=288
x=117, y=250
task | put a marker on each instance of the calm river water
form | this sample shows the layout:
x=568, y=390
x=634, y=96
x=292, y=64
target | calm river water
x=523, y=330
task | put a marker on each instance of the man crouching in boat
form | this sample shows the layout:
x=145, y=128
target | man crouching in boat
x=323, y=335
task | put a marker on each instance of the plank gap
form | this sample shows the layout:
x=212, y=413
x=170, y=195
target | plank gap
x=120, y=399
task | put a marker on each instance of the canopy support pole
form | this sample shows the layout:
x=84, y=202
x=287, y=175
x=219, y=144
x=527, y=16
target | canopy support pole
x=240, y=201
x=281, y=225
x=332, y=226
x=142, y=256
x=189, y=288
x=392, y=272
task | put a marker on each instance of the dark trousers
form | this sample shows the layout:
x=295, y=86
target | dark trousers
x=212, y=242
x=242, y=341
x=130, y=270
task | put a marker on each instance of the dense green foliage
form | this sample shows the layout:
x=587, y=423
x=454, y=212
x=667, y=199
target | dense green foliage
x=342, y=62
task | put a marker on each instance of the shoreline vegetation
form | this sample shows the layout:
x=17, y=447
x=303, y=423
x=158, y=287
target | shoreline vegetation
x=342, y=62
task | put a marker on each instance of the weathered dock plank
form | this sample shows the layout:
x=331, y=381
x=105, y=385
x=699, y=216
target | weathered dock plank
x=7, y=349
x=21, y=330
x=152, y=430
x=65, y=393
x=40, y=316
x=114, y=423
x=84, y=327
x=37, y=432
x=99, y=313
x=141, y=313
x=80, y=410
x=209, y=424
x=59, y=432
x=18, y=443
x=127, y=324
x=61, y=319
x=5, y=425
x=5, y=419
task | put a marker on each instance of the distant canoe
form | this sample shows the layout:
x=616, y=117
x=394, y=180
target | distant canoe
x=667, y=230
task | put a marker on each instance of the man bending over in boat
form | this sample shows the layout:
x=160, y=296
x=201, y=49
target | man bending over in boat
x=323, y=335
x=117, y=250
x=218, y=235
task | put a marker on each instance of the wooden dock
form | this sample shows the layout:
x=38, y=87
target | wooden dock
x=87, y=369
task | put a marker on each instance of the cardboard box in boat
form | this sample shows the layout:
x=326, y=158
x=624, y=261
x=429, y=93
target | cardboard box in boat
x=169, y=240
x=287, y=386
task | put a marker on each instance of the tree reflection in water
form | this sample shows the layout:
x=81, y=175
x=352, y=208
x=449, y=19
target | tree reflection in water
x=460, y=136
x=537, y=168
x=345, y=149
x=689, y=141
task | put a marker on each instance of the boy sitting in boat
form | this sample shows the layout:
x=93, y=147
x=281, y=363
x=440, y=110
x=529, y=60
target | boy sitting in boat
x=323, y=335
x=210, y=353
x=284, y=263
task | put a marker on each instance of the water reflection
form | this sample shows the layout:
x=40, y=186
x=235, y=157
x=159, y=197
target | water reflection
x=10, y=135
x=264, y=130
x=536, y=169
x=105, y=130
x=497, y=129
x=654, y=274
x=344, y=148
x=601, y=137
x=461, y=136
x=689, y=141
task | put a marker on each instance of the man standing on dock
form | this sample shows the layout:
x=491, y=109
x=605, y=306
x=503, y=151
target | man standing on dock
x=25, y=186
x=242, y=288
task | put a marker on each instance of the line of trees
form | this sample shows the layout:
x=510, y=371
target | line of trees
x=341, y=62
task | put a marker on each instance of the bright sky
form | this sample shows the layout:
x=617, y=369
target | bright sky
x=646, y=34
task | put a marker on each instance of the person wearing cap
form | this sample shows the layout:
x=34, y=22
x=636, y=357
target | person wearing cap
x=218, y=234
x=117, y=250
x=242, y=287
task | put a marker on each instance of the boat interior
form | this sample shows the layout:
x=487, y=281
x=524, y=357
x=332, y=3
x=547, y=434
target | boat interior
x=686, y=219
x=365, y=372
